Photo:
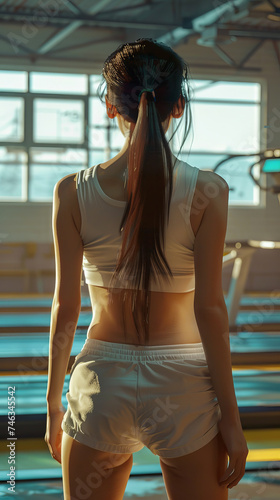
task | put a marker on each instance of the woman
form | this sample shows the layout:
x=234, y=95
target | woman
x=155, y=369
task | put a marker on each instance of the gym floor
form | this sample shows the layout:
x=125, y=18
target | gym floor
x=255, y=362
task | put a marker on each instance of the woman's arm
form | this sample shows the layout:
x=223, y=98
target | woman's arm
x=67, y=296
x=209, y=304
x=212, y=320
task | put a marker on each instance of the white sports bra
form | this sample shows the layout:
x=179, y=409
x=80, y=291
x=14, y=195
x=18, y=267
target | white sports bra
x=100, y=221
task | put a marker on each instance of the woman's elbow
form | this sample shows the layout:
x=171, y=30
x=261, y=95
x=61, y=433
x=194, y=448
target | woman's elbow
x=66, y=304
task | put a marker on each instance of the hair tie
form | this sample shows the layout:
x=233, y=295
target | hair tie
x=147, y=90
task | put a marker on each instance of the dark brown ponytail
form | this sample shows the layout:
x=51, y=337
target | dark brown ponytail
x=130, y=69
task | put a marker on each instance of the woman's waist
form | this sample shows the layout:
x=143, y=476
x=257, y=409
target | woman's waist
x=171, y=319
x=119, y=350
x=162, y=305
x=167, y=335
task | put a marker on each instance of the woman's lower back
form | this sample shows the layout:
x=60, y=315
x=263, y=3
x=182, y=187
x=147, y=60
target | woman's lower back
x=171, y=318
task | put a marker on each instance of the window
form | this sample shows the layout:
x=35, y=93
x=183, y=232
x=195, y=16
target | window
x=58, y=126
x=13, y=170
x=226, y=121
x=52, y=165
x=13, y=81
x=11, y=119
x=57, y=120
x=58, y=83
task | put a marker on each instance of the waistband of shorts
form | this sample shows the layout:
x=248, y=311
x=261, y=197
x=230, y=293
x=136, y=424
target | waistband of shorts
x=118, y=351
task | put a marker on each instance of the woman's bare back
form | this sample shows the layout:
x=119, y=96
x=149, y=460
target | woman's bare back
x=172, y=319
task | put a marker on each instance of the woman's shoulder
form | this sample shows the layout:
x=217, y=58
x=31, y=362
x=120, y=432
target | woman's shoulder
x=208, y=176
x=65, y=197
x=65, y=188
x=205, y=177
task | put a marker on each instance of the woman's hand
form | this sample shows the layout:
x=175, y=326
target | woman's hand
x=53, y=433
x=237, y=450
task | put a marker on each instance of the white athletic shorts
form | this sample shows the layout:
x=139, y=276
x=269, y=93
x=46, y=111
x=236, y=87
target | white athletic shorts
x=123, y=397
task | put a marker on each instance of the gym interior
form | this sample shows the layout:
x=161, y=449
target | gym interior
x=53, y=124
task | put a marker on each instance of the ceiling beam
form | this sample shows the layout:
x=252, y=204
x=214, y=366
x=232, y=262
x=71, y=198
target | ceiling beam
x=228, y=10
x=82, y=65
x=85, y=20
x=223, y=55
x=250, y=53
x=249, y=33
x=175, y=36
x=68, y=30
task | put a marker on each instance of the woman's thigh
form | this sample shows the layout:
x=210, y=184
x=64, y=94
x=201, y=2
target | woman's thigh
x=90, y=474
x=196, y=476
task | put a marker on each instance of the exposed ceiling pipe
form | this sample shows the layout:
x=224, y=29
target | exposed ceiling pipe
x=210, y=38
x=229, y=11
x=207, y=24
x=232, y=10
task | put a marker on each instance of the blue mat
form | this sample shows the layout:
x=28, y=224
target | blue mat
x=43, y=319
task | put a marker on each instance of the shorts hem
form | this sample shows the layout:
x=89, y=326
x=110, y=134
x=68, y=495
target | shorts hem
x=185, y=450
x=98, y=445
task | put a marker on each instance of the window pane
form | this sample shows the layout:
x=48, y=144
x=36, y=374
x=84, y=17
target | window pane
x=204, y=162
x=233, y=91
x=13, y=81
x=13, y=170
x=43, y=178
x=11, y=118
x=57, y=120
x=200, y=84
x=60, y=156
x=12, y=155
x=97, y=138
x=96, y=157
x=226, y=128
x=243, y=190
x=179, y=131
x=58, y=83
x=94, y=82
x=12, y=178
x=117, y=139
x=97, y=112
